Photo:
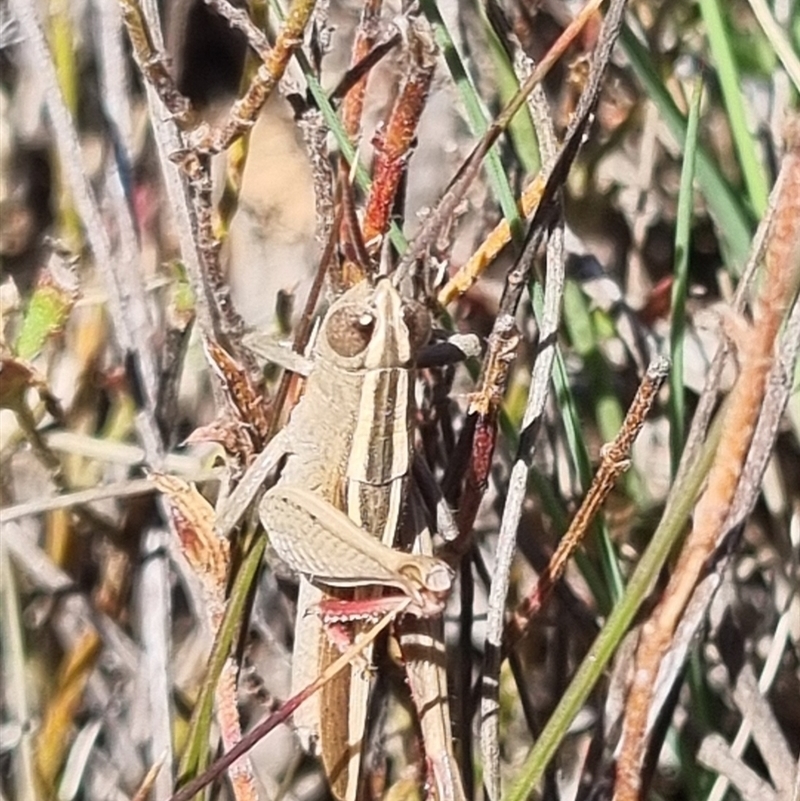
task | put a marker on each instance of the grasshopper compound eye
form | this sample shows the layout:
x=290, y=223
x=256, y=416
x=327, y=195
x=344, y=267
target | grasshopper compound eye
x=349, y=330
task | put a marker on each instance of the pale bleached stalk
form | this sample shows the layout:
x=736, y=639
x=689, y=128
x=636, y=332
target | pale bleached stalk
x=537, y=401
x=15, y=691
x=154, y=631
x=122, y=453
x=114, y=85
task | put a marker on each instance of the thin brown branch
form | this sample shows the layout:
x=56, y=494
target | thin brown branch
x=229, y=324
x=153, y=65
x=291, y=384
x=245, y=111
x=615, y=459
x=360, y=69
x=168, y=141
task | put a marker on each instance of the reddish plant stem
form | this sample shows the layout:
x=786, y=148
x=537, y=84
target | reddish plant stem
x=393, y=145
x=485, y=407
x=353, y=105
x=756, y=352
x=351, y=269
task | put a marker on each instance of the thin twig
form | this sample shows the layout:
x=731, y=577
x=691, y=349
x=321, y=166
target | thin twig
x=759, y=718
x=366, y=34
x=346, y=272
x=716, y=755
x=614, y=461
x=312, y=127
x=147, y=50
x=122, y=453
x=767, y=732
x=486, y=253
x=122, y=489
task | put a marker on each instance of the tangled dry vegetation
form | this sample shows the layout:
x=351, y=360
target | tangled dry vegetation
x=607, y=195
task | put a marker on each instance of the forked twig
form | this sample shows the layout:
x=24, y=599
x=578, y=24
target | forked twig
x=244, y=111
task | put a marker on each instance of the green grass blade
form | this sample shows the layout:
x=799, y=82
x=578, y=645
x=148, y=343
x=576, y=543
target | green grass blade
x=753, y=171
x=520, y=129
x=677, y=405
x=195, y=753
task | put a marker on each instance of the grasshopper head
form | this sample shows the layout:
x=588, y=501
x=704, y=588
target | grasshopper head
x=373, y=327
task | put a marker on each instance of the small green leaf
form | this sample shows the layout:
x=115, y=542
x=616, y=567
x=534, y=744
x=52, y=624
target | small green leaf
x=49, y=308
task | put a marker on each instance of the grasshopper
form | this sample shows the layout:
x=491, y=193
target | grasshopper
x=335, y=514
